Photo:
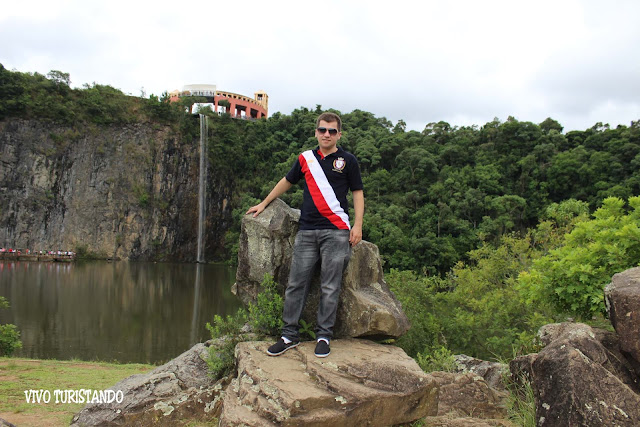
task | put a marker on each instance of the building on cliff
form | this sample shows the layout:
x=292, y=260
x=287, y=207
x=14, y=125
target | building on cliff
x=236, y=105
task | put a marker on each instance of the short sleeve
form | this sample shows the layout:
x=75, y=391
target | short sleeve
x=355, y=180
x=295, y=174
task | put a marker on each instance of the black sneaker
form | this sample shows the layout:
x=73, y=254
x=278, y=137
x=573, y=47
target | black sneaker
x=280, y=347
x=322, y=349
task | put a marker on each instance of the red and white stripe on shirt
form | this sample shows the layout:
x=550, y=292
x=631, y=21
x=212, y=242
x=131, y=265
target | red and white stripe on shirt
x=322, y=193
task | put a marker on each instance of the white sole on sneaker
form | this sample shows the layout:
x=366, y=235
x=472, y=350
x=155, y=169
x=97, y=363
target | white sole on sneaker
x=287, y=348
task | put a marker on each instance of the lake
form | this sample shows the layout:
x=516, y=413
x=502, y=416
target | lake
x=122, y=311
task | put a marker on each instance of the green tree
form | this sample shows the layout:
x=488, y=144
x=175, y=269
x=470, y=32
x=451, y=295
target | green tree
x=549, y=124
x=60, y=78
x=572, y=277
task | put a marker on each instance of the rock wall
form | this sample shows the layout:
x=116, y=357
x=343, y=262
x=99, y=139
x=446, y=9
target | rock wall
x=128, y=192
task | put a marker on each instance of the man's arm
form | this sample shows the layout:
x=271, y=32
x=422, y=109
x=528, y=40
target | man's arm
x=281, y=187
x=358, y=206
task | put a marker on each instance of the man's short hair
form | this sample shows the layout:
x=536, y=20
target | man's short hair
x=329, y=118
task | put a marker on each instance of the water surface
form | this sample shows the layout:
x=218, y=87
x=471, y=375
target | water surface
x=121, y=311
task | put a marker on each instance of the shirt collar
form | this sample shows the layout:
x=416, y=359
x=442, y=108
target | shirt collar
x=335, y=153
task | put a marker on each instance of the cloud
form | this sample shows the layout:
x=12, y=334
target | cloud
x=465, y=62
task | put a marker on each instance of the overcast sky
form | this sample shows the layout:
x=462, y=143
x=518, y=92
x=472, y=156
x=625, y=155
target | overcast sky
x=464, y=62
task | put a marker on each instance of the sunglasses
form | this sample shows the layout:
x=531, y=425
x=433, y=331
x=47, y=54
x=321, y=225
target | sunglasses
x=332, y=131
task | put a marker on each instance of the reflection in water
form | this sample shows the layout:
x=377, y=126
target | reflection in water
x=124, y=311
x=196, y=300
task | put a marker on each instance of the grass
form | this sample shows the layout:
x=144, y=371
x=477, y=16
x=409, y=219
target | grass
x=18, y=375
x=521, y=404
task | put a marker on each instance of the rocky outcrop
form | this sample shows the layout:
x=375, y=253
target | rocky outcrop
x=5, y=423
x=361, y=384
x=180, y=389
x=579, y=378
x=127, y=191
x=622, y=296
x=265, y=247
x=491, y=372
x=469, y=395
x=367, y=307
x=588, y=376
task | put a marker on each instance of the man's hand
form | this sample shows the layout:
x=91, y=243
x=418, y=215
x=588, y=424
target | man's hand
x=281, y=187
x=257, y=209
x=358, y=206
x=355, y=235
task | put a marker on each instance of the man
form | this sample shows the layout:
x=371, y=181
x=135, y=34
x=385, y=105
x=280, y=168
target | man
x=324, y=233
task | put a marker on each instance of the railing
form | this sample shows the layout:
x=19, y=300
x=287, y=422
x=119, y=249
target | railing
x=37, y=256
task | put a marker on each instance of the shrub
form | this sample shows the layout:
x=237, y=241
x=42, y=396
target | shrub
x=477, y=309
x=9, y=335
x=439, y=359
x=227, y=330
x=9, y=339
x=417, y=295
x=572, y=277
x=265, y=316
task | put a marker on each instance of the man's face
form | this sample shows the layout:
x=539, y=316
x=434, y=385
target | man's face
x=326, y=140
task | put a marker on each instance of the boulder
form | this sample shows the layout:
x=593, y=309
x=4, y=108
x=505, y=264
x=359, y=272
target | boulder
x=265, y=247
x=521, y=368
x=5, y=423
x=469, y=395
x=491, y=372
x=578, y=381
x=360, y=383
x=179, y=389
x=622, y=296
x=367, y=307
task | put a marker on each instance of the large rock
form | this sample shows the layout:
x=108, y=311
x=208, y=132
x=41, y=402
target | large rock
x=180, y=389
x=360, y=384
x=367, y=307
x=265, y=247
x=623, y=304
x=491, y=372
x=579, y=381
x=469, y=395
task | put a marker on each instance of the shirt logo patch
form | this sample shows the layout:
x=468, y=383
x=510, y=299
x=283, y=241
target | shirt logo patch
x=339, y=164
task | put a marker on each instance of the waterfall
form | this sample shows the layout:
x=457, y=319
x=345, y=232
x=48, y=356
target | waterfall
x=204, y=130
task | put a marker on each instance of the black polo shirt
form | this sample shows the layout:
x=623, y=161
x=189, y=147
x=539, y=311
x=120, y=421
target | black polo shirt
x=342, y=172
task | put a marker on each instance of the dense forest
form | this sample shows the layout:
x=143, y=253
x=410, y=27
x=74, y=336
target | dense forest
x=473, y=223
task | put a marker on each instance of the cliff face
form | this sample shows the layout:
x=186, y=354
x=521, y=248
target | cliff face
x=120, y=191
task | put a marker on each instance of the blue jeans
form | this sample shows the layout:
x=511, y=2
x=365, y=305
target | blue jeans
x=332, y=248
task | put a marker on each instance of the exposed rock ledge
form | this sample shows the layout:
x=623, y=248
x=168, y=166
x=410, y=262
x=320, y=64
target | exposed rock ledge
x=581, y=378
x=361, y=384
x=179, y=389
